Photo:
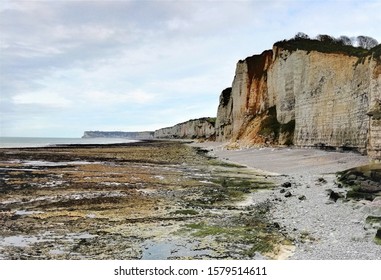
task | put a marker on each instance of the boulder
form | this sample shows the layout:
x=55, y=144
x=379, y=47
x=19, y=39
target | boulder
x=288, y=194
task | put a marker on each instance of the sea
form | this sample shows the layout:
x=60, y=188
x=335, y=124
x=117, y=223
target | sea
x=30, y=142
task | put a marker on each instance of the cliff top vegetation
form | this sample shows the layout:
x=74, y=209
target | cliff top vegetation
x=360, y=46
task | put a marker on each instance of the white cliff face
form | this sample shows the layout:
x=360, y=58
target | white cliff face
x=248, y=97
x=118, y=134
x=326, y=95
x=374, y=144
x=224, y=120
x=199, y=128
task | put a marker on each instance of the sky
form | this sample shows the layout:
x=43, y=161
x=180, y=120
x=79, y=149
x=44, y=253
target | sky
x=68, y=66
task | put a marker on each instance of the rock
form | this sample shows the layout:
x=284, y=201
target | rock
x=197, y=128
x=286, y=185
x=373, y=221
x=372, y=208
x=334, y=196
x=352, y=177
x=302, y=197
x=288, y=194
x=322, y=180
x=378, y=234
x=282, y=191
x=377, y=200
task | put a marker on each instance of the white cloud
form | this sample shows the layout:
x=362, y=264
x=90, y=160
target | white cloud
x=83, y=33
x=134, y=64
x=104, y=98
x=45, y=99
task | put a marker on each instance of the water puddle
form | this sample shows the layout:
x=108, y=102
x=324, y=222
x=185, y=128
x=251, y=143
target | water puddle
x=18, y=240
x=57, y=252
x=24, y=240
x=163, y=250
x=41, y=163
x=25, y=212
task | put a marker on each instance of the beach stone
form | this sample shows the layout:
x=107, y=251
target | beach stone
x=282, y=190
x=276, y=225
x=302, y=197
x=378, y=234
x=334, y=196
x=351, y=182
x=372, y=208
x=288, y=194
x=322, y=180
x=286, y=185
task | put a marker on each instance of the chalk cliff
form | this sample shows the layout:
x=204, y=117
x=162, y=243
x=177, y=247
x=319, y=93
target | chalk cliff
x=307, y=96
x=119, y=134
x=202, y=128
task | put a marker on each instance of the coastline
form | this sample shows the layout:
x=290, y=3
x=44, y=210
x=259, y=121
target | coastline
x=39, y=142
x=319, y=227
x=142, y=200
x=179, y=200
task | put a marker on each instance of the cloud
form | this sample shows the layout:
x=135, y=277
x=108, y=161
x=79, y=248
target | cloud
x=114, y=98
x=45, y=99
x=76, y=65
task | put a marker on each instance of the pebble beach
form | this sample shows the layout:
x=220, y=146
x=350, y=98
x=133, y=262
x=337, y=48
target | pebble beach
x=319, y=227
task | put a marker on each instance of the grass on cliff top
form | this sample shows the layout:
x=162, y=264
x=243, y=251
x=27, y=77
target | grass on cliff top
x=328, y=47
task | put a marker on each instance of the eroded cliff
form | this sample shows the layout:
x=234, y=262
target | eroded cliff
x=118, y=134
x=304, y=96
x=203, y=128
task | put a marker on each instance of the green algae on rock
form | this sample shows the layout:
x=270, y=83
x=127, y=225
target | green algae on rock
x=363, y=181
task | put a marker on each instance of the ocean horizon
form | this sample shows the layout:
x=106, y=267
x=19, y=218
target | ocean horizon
x=30, y=142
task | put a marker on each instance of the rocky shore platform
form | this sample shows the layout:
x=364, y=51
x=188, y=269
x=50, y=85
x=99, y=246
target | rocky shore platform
x=143, y=200
x=328, y=204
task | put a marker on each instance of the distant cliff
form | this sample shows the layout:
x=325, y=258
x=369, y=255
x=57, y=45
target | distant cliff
x=306, y=93
x=202, y=128
x=118, y=134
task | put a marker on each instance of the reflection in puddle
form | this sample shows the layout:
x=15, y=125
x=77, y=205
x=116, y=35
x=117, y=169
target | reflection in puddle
x=171, y=249
x=57, y=252
x=19, y=240
x=41, y=163
x=25, y=212
x=24, y=240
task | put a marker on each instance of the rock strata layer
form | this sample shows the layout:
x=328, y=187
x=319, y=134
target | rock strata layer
x=118, y=134
x=202, y=128
x=306, y=98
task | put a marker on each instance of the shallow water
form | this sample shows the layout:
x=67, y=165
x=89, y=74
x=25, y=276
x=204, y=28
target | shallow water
x=171, y=249
x=27, y=142
x=25, y=212
x=22, y=240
